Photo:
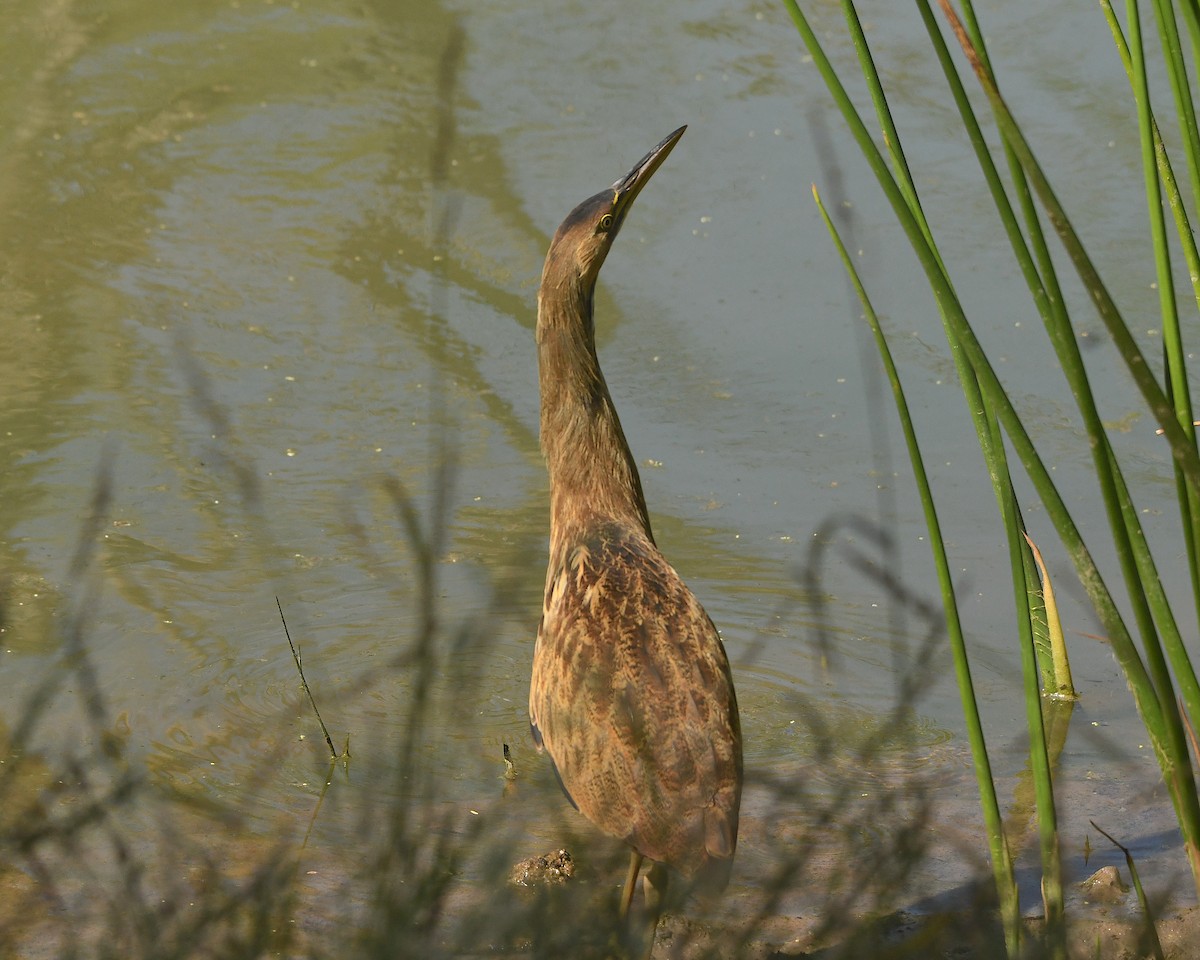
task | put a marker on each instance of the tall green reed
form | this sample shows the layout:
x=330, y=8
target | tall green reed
x=1148, y=671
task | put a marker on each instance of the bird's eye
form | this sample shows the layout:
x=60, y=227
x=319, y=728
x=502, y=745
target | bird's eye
x=606, y=221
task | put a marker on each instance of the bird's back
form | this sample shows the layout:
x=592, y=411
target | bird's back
x=633, y=699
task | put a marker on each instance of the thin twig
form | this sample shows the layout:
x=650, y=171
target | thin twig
x=1151, y=931
x=304, y=683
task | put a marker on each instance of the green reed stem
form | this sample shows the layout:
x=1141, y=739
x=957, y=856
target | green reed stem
x=1177, y=380
x=1002, y=866
x=1150, y=682
x=1173, y=351
x=1155, y=699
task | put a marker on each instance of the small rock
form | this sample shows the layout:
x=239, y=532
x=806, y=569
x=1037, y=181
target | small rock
x=1104, y=886
x=556, y=867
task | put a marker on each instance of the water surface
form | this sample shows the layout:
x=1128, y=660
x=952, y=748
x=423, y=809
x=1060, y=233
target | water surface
x=268, y=264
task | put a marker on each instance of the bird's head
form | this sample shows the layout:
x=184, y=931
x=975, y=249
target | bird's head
x=584, y=238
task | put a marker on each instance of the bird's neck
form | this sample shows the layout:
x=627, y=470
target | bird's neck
x=593, y=479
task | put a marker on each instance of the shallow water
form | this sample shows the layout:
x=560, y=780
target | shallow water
x=231, y=277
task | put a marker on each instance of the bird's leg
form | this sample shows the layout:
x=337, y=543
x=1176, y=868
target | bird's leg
x=635, y=864
x=654, y=885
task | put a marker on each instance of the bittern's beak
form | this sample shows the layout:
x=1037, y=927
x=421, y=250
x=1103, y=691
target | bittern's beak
x=629, y=186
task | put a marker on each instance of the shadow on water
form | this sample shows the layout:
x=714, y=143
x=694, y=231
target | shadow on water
x=841, y=846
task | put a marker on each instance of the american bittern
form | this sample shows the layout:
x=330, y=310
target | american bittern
x=631, y=694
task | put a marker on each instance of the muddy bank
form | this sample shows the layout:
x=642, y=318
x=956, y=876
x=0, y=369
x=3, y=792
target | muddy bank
x=962, y=936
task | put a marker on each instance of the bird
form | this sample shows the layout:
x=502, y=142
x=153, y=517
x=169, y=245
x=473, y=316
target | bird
x=631, y=692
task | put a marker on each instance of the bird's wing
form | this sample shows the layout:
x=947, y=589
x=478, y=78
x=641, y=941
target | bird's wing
x=633, y=699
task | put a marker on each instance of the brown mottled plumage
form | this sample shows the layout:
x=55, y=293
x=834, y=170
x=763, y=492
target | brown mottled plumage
x=631, y=694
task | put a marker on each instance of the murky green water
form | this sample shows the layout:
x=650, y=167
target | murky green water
x=258, y=258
